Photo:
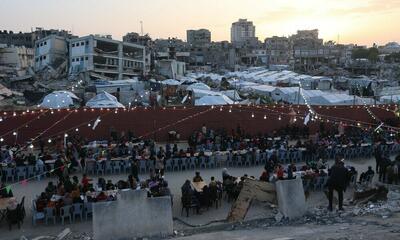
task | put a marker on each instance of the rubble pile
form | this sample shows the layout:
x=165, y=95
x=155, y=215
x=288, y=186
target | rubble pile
x=382, y=209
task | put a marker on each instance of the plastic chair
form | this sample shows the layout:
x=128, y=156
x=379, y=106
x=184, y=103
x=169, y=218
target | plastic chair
x=109, y=167
x=202, y=161
x=248, y=160
x=116, y=167
x=192, y=163
x=65, y=212
x=239, y=161
x=142, y=166
x=30, y=171
x=168, y=165
x=77, y=210
x=90, y=167
x=127, y=165
x=35, y=214
x=40, y=172
x=21, y=173
x=183, y=163
x=99, y=168
x=175, y=164
x=9, y=174
x=211, y=162
x=88, y=209
x=50, y=213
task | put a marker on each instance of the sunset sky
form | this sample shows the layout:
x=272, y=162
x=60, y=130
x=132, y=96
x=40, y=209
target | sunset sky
x=355, y=21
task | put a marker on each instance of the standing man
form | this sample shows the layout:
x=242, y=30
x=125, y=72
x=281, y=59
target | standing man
x=378, y=157
x=337, y=181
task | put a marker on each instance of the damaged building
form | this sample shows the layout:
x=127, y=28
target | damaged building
x=98, y=57
x=15, y=60
x=50, y=51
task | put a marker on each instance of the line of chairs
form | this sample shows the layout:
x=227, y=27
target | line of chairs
x=191, y=163
x=11, y=174
x=319, y=183
x=69, y=212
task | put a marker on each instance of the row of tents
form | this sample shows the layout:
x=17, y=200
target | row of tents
x=66, y=99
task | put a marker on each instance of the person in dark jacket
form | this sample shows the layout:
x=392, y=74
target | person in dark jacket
x=337, y=181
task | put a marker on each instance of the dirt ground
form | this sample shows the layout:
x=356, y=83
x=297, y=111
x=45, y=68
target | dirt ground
x=176, y=179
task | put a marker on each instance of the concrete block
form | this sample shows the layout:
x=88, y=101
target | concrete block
x=133, y=215
x=291, y=198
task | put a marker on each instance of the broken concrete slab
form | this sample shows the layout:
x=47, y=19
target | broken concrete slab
x=252, y=190
x=291, y=198
x=133, y=215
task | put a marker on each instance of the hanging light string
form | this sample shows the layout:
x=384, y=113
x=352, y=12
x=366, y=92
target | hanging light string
x=322, y=117
x=178, y=122
x=78, y=126
x=23, y=125
x=373, y=116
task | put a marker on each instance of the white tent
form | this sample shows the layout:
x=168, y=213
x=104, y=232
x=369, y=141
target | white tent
x=171, y=82
x=198, y=86
x=104, y=100
x=232, y=94
x=58, y=99
x=213, y=100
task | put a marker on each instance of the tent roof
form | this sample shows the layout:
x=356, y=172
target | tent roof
x=198, y=85
x=171, y=82
x=104, y=100
x=214, y=100
x=58, y=99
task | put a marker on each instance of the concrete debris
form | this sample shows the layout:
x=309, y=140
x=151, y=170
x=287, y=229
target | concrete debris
x=278, y=217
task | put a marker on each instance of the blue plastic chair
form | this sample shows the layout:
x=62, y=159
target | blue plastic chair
x=99, y=168
x=65, y=212
x=35, y=214
x=116, y=167
x=88, y=209
x=77, y=210
x=50, y=213
x=109, y=167
x=21, y=173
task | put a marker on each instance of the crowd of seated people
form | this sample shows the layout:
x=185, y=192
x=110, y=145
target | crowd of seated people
x=203, y=198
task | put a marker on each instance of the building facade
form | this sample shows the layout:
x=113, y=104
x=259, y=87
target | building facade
x=18, y=58
x=105, y=58
x=278, y=50
x=201, y=37
x=28, y=39
x=243, y=32
x=50, y=51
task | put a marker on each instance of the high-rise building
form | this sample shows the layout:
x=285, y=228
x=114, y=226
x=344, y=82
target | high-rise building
x=199, y=37
x=242, y=32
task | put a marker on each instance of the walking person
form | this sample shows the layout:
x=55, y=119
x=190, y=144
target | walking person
x=337, y=182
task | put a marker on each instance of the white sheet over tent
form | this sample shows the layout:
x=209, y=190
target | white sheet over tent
x=171, y=82
x=198, y=86
x=104, y=100
x=213, y=100
x=263, y=89
x=58, y=99
x=199, y=93
x=232, y=94
x=390, y=99
x=71, y=94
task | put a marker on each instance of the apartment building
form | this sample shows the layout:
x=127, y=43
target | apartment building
x=201, y=37
x=243, y=32
x=104, y=58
